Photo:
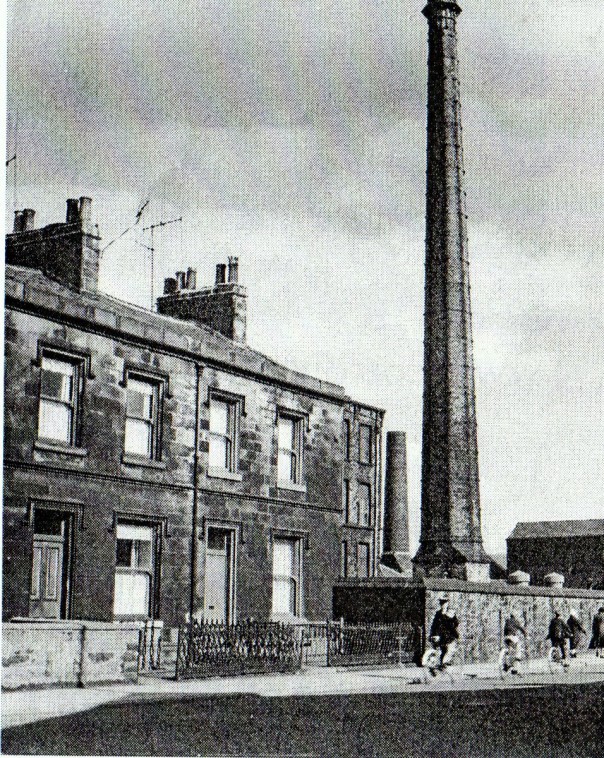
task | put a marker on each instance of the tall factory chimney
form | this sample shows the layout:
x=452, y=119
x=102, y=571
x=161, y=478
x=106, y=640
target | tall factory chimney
x=451, y=537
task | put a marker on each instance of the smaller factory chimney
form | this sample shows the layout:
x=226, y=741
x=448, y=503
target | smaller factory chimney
x=396, y=507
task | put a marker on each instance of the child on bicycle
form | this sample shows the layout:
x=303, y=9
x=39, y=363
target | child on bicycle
x=558, y=634
x=444, y=626
x=511, y=629
x=576, y=630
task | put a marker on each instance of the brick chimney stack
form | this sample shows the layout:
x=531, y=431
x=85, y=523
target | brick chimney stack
x=222, y=307
x=66, y=252
x=451, y=537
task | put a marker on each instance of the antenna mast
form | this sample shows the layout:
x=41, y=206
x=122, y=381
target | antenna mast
x=151, y=228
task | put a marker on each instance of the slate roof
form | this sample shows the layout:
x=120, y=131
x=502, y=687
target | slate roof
x=106, y=313
x=571, y=528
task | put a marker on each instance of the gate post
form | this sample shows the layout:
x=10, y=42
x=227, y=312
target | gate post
x=177, y=672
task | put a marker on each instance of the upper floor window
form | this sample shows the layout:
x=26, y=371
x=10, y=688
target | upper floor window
x=347, y=439
x=223, y=433
x=346, y=498
x=142, y=417
x=363, y=504
x=60, y=390
x=344, y=559
x=365, y=443
x=289, y=461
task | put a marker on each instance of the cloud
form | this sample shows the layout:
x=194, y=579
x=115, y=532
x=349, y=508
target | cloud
x=294, y=135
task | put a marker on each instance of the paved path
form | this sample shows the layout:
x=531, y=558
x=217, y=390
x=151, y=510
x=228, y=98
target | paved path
x=27, y=706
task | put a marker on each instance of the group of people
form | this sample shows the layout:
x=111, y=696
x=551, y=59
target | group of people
x=564, y=635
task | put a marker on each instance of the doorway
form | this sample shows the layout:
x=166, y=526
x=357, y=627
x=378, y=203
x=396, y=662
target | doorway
x=219, y=573
x=48, y=596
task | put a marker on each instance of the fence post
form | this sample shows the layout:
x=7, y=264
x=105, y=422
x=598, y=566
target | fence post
x=328, y=635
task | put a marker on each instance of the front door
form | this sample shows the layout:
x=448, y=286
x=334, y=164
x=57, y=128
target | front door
x=46, y=598
x=218, y=576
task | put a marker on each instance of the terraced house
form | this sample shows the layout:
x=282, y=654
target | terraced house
x=156, y=466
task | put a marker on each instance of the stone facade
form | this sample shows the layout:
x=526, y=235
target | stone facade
x=574, y=549
x=191, y=514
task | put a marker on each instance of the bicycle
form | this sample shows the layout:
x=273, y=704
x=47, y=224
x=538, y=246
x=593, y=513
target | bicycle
x=431, y=660
x=509, y=655
x=556, y=660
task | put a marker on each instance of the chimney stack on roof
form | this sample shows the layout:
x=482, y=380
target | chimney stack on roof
x=66, y=252
x=221, y=307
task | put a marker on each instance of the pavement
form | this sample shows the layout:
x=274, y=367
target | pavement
x=27, y=706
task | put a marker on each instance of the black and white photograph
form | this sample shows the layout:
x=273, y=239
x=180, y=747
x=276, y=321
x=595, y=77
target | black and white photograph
x=303, y=378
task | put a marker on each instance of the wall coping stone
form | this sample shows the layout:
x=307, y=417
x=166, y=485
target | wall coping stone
x=494, y=587
x=71, y=625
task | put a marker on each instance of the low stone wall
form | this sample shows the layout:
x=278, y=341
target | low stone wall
x=480, y=607
x=68, y=653
x=483, y=608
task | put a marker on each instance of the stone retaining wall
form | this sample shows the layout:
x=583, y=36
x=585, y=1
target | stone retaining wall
x=480, y=607
x=68, y=653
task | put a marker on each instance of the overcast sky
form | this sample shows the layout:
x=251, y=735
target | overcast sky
x=293, y=134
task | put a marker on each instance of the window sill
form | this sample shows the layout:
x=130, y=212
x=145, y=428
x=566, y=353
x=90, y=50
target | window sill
x=215, y=472
x=352, y=525
x=129, y=459
x=291, y=486
x=50, y=446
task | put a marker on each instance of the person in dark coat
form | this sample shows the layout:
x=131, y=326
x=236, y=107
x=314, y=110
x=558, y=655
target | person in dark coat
x=597, y=633
x=511, y=631
x=444, y=626
x=558, y=633
x=576, y=630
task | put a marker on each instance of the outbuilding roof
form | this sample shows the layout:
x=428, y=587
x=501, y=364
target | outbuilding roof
x=525, y=530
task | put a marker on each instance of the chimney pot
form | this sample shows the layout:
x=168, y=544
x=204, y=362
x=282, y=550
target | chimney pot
x=233, y=269
x=85, y=208
x=181, y=280
x=170, y=285
x=191, y=278
x=220, y=273
x=519, y=578
x=553, y=579
x=18, y=223
x=73, y=213
x=28, y=219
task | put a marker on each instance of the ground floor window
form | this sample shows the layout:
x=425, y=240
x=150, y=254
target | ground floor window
x=135, y=569
x=286, y=575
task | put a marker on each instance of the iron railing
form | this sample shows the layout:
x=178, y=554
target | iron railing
x=210, y=648
x=373, y=644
